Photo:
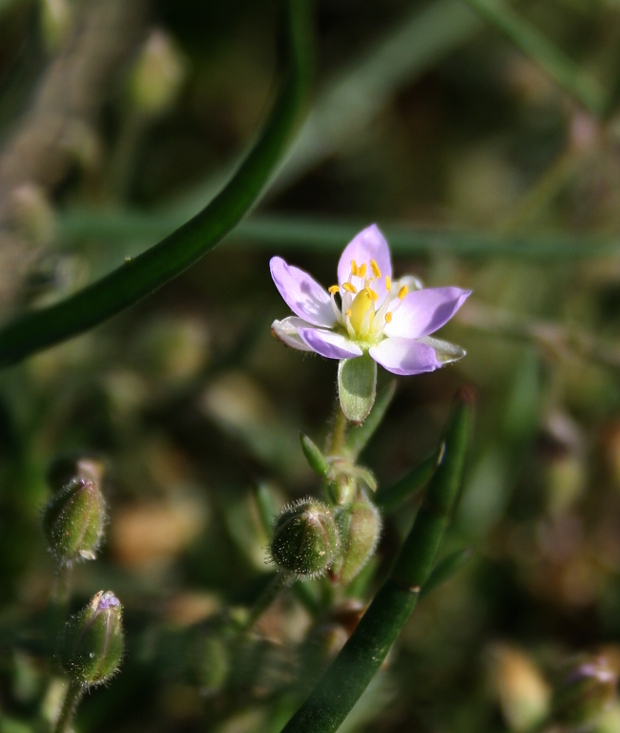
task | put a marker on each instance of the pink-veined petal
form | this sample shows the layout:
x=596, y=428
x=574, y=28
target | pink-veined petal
x=303, y=295
x=405, y=356
x=329, y=344
x=286, y=331
x=425, y=311
x=368, y=245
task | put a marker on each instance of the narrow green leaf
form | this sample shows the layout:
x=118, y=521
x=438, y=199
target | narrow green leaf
x=446, y=569
x=316, y=459
x=362, y=656
x=406, y=487
x=139, y=277
x=357, y=385
x=268, y=508
x=358, y=437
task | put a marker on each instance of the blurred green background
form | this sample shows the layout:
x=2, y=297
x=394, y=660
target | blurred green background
x=119, y=119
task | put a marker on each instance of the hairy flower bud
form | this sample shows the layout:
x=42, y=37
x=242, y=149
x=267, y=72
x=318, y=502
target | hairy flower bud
x=585, y=691
x=75, y=516
x=305, y=539
x=360, y=528
x=91, y=645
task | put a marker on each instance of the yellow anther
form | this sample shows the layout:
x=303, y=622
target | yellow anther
x=361, y=270
x=375, y=268
x=349, y=313
x=402, y=292
x=371, y=292
x=333, y=289
x=349, y=288
x=388, y=317
x=388, y=283
x=354, y=268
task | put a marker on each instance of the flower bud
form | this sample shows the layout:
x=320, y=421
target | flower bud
x=585, y=691
x=360, y=528
x=305, y=539
x=74, y=520
x=91, y=645
x=158, y=74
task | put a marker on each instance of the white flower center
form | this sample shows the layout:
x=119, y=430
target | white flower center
x=360, y=313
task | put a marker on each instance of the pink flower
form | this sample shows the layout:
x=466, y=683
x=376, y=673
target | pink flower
x=367, y=312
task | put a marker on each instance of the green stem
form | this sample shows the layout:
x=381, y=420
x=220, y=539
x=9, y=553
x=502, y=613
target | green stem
x=360, y=659
x=265, y=599
x=537, y=46
x=139, y=277
x=335, y=443
x=70, y=703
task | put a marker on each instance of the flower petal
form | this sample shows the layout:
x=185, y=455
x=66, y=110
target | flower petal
x=329, y=344
x=405, y=356
x=445, y=352
x=286, y=331
x=303, y=295
x=368, y=245
x=424, y=311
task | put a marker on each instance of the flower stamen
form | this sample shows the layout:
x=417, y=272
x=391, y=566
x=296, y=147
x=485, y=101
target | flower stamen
x=361, y=270
x=388, y=317
x=349, y=288
x=403, y=292
x=375, y=269
x=354, y=268
x=333, y=289
x=388, y=283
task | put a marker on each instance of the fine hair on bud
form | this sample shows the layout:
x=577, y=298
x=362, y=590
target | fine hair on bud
x=74, y=519
x=92, y=642
x=305, y=539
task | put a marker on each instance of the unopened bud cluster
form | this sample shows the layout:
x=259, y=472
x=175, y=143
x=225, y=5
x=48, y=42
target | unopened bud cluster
x=312, y=538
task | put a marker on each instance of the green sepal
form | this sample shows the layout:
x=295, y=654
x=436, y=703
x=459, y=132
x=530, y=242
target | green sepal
x=357, y=387
x=316, y=459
